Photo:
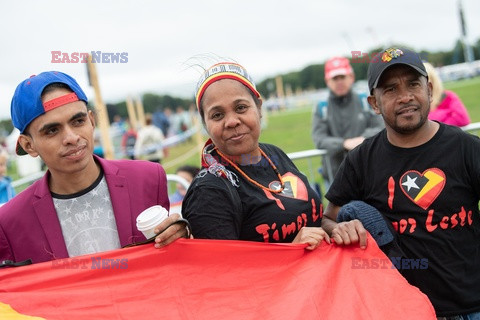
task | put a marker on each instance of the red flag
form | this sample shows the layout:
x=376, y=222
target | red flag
x=215, y=279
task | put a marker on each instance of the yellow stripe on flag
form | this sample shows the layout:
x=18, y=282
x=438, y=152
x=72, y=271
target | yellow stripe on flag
x=7, y=313
x=433, y=180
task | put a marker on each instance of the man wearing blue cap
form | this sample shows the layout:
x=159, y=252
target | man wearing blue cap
x=418, y=182
x=83, y=204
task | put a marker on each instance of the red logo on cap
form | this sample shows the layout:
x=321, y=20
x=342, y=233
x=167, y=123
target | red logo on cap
x=390, y=54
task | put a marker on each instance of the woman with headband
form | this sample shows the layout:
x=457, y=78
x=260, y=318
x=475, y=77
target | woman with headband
x=246, y=190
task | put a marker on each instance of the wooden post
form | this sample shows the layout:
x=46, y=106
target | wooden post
x=103, y=122
x=140, y=112
x=197, y=123
x=280, y=92
x=131, y=114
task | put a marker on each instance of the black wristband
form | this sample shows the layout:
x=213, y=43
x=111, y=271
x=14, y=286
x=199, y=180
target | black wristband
x=10, y=263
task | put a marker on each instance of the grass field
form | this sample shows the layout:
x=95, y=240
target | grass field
x=291, y=131
x=469, y=92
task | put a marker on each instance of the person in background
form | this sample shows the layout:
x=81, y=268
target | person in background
x=118, y=126
x=171, y=120
x=415, y=186
x=184, y=120
x=446, y=106
x=83, y=204
x=344, y=119
x=148, y=145
x=128, y=141
x=246, y=190
x=98, y=147
x=161, y=121
x=7, y=192
x=188, y=173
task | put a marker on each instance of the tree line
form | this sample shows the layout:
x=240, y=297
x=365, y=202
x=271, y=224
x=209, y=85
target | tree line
x=309, y=78
x=312, y=76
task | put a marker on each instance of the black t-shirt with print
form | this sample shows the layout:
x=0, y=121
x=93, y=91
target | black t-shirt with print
x=218, y=210
x=430, y=193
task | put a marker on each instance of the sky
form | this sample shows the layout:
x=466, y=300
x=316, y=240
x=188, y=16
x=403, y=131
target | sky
x=167, y=42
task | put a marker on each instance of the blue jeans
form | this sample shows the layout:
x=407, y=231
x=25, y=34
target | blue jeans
x=470, y=316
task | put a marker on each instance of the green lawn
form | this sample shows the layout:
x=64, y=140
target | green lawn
x=290, y=130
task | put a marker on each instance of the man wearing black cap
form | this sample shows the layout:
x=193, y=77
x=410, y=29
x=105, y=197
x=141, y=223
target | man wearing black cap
x=83, y=204
x=421, y=177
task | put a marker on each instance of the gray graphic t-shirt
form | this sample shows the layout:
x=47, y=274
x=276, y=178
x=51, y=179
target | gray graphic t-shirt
x=87, y=219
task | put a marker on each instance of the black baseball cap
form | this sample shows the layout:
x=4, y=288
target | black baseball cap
x=389, y=57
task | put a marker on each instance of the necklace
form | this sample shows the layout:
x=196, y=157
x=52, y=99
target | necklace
x=233, y=164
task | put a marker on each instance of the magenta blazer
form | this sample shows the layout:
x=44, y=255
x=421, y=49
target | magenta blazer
x=29, y=226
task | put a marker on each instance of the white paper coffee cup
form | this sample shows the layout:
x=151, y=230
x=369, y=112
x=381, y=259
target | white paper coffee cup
x=150, y=218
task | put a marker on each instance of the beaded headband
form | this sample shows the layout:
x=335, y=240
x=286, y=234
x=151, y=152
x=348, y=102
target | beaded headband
x=224, y=70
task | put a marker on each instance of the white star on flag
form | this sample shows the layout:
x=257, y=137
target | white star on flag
x=410, y=183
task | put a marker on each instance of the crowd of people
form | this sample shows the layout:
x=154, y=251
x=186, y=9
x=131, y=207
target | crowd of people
x=144, y=142
x=402, y=173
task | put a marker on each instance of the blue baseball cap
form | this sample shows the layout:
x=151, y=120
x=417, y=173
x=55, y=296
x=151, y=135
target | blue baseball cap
x=27, y=103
